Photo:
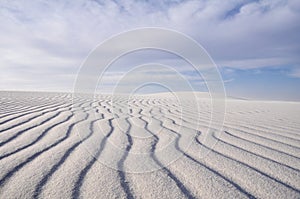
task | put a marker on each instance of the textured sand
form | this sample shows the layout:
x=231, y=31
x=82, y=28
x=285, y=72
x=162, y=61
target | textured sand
x=50, y=148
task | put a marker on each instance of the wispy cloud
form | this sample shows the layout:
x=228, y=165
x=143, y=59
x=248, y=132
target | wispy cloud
x=53, y=37
x=295, y=72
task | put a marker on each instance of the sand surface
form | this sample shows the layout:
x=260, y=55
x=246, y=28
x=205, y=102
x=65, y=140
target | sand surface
x=53, y=147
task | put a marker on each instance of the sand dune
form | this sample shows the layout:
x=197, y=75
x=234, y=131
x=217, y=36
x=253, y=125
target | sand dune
x=54, y=147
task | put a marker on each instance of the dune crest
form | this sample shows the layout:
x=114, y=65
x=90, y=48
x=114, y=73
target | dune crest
x=54, y=147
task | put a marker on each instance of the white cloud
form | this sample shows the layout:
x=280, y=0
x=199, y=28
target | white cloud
x=54, y=37
x=295, y=72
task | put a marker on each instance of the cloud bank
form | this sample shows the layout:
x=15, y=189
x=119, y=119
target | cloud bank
x=43, y=43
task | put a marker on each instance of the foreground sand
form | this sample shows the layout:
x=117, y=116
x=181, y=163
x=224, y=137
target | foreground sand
x=51, y=149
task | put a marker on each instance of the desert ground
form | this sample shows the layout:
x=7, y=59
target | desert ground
x=52, y=146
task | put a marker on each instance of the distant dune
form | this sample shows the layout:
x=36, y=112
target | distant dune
x=137, y=148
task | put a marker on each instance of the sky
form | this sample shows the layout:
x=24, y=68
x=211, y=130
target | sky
x=254, y=44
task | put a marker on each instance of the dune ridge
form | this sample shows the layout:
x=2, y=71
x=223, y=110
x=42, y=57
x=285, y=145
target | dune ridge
x=52, y=146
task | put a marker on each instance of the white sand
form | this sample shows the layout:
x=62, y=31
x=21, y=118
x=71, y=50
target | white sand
x=51, y=149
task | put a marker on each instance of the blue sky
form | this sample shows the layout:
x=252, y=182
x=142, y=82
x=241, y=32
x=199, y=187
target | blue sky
x=255, y=44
